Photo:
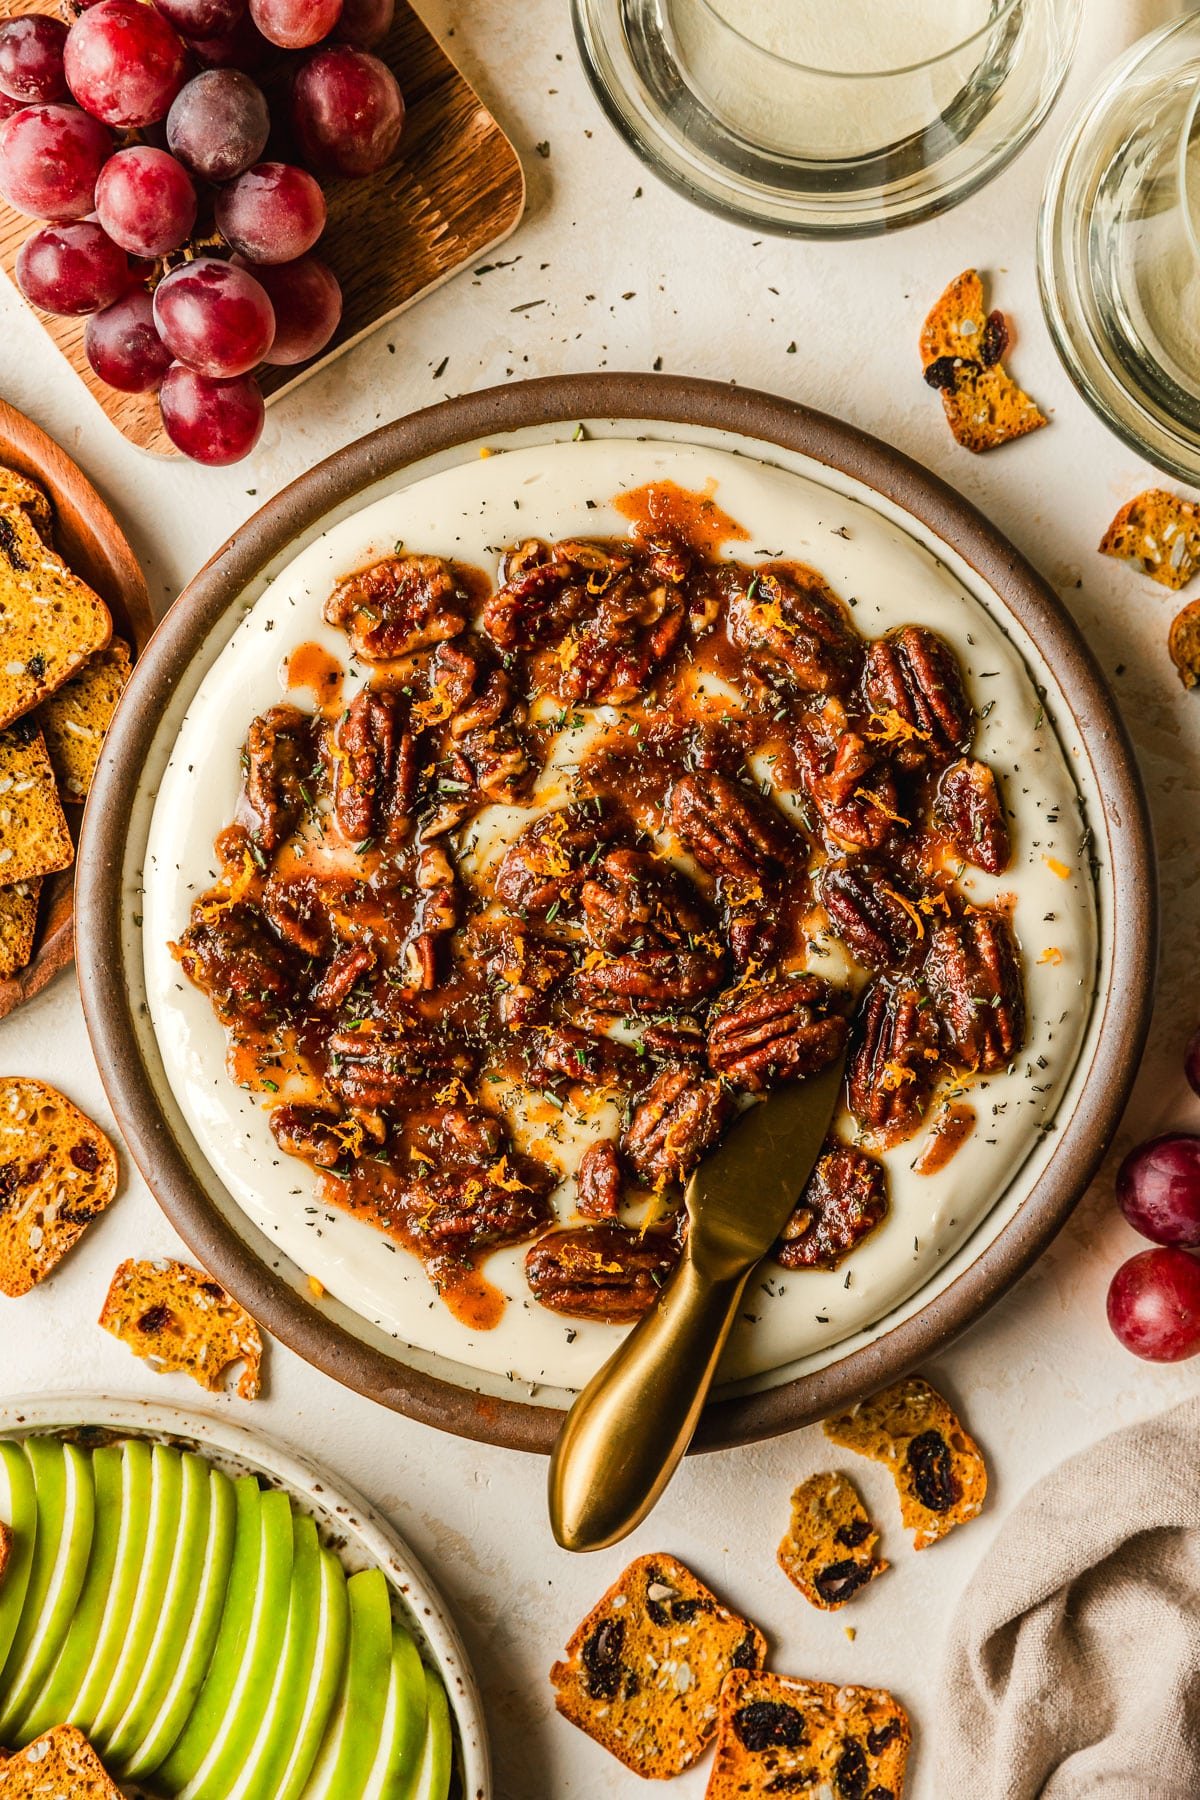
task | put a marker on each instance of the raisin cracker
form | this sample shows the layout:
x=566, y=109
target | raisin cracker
x=643, y=1672
x=780, y=1735
x=938, y=1469
x=1183, y=642
x=57, y=1172
x=1159, y=533
x=829, y=1549
x=961, y=348
x=183, y=1322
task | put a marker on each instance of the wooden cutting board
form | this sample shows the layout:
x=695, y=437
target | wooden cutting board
x=455, y=190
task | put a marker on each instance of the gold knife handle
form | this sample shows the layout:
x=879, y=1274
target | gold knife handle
x=629, y=1427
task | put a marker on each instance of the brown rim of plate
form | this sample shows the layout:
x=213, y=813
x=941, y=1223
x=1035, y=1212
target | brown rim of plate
x=1124, y=1005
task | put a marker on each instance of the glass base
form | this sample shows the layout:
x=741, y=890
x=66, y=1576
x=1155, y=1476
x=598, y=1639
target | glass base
x=820, y=155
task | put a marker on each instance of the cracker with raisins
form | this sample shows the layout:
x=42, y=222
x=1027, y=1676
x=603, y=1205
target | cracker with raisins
x=34, y=837
x=57, y=1172
x=939, y=1472
x=643, y=1672
x=76, y=717
x=18, y=924
x=1159, y=533
x=57, y=1765
x=183, y=1322
x=32, y=499
x=829, y=1549
x=1183, y=642
x=50, y=621
x=780, y=1735
x=961, y=349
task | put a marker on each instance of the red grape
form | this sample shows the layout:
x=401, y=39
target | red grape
x=124, y=63
x=295, y=24
x=123, y=347
x=145, y=201
x=203, y=18
x=211, y=421
x=215, y=318
x=72, y=268
x=219, y=124
x=1158, y=1189
x=50, y=157
x=308, y=307
x=272, y=214
x=244, y=47
x=31, y=58
x=1154, y=1305
x=365, y=23
x=347, y=110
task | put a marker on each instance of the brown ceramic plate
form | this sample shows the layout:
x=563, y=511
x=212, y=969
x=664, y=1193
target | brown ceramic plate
x=113, y=979
x=91, y=541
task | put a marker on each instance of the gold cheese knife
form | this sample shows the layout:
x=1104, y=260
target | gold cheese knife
x=633, y=1421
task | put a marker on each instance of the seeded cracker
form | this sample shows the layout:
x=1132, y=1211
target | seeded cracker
x=34, y=839
x=183, y=1322
x=50, y=621
x=75, y=719
x=59, y=1766
x=1159, y=533
x=1184, y=643
x=778, y=1735
x=644, y=1669
x=961, y=348
x=18, y=490
x=57, y=1172
x=938, y=1470
x=829, y=1550
x=18, y=924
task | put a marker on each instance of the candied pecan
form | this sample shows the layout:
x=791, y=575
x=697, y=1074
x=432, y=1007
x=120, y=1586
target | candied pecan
x=489, y=751
x=631, y=900
x=374, y=761
x=843, y=1201
x=729, y=828
x=302, y=909
x=974, y=975
x=230, y=953
x=605, y=1272
x=969, y=808
x=278, y=760
x=522, y=969
x=551, y=857
x=915, y=687
x=455, y=1213
x=564, y=1052
x=437, y=913
x=675, y=1121
x=871, y=911
x=598, y=1181
x=792, y=622
x=655, y=980
x=893, y=1059
x=341, y=975
x=377, y=1063
x=675, y=1041
x=533, y=575
x=851, y=787
x=398, y=605
x=774, y=1031
x=313, y=1132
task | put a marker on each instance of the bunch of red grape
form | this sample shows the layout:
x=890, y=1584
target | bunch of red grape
x=1154, y=1300
x=136, y=133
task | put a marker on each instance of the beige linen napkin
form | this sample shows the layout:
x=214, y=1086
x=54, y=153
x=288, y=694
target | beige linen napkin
x=1073, y=1670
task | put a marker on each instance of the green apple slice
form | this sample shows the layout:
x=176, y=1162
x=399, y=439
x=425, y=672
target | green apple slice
x=56, y=1704
x=66, y=1507
x=166, y=1483
x=176, y=1604
x=18, y=1510
x=329, y=1662
x=352, y=1740
x=196, y=1652
x=437, y=1759
x=136, y=1467
x=216, y=1738
x=394, y=1776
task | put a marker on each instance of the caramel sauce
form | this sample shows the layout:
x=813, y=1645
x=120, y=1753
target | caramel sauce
x=948, y=1133
x=687, y=516
x=317, y=671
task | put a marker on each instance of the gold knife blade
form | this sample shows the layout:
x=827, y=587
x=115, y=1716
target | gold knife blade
x=624, y=1436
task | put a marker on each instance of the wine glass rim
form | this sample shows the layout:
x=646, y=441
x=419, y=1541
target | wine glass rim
x=899, y=69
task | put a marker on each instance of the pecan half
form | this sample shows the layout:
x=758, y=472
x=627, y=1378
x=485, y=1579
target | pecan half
x=320, y=1136
x=379, y=1063
x=872, y=912
x=893, y=1060
x=915, y=688
x=969, y=809
x=598, y=1181
x=565, y=1053
x=373, y=757
x=632, y=900
x=974, y=975
x=279, y=760
x=604, y=1272
x=655, y=980
x=843, y=1201
x=398, y=605
x=550, y=860
x=342, y=975
x=675, y=1041
x=775, y=1031
x=522, y=969
x=794, y=624
x=302, y=909
x=850, y=785
x=483, y=722
x=465, y=1191
x=234, y=958
x=676, y=1120
x=729, y=828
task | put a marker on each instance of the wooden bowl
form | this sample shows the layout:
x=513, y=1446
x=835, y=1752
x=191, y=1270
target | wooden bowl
x=91, y=541
x=196, y=630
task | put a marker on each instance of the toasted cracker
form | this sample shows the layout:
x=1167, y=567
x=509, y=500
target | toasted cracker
x=643, y=1671
x=18, y=924
x=50, y=621
x=1159, y=533
x=61, y=1765
x=34, y=838
x=779, y=1735
x=19, y=490
x=57, y=1172
x=829, y=1549
x=961, y=347
x=1183, y=641
x=75, y=719
x=183, y=1322
x=912, y=1430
